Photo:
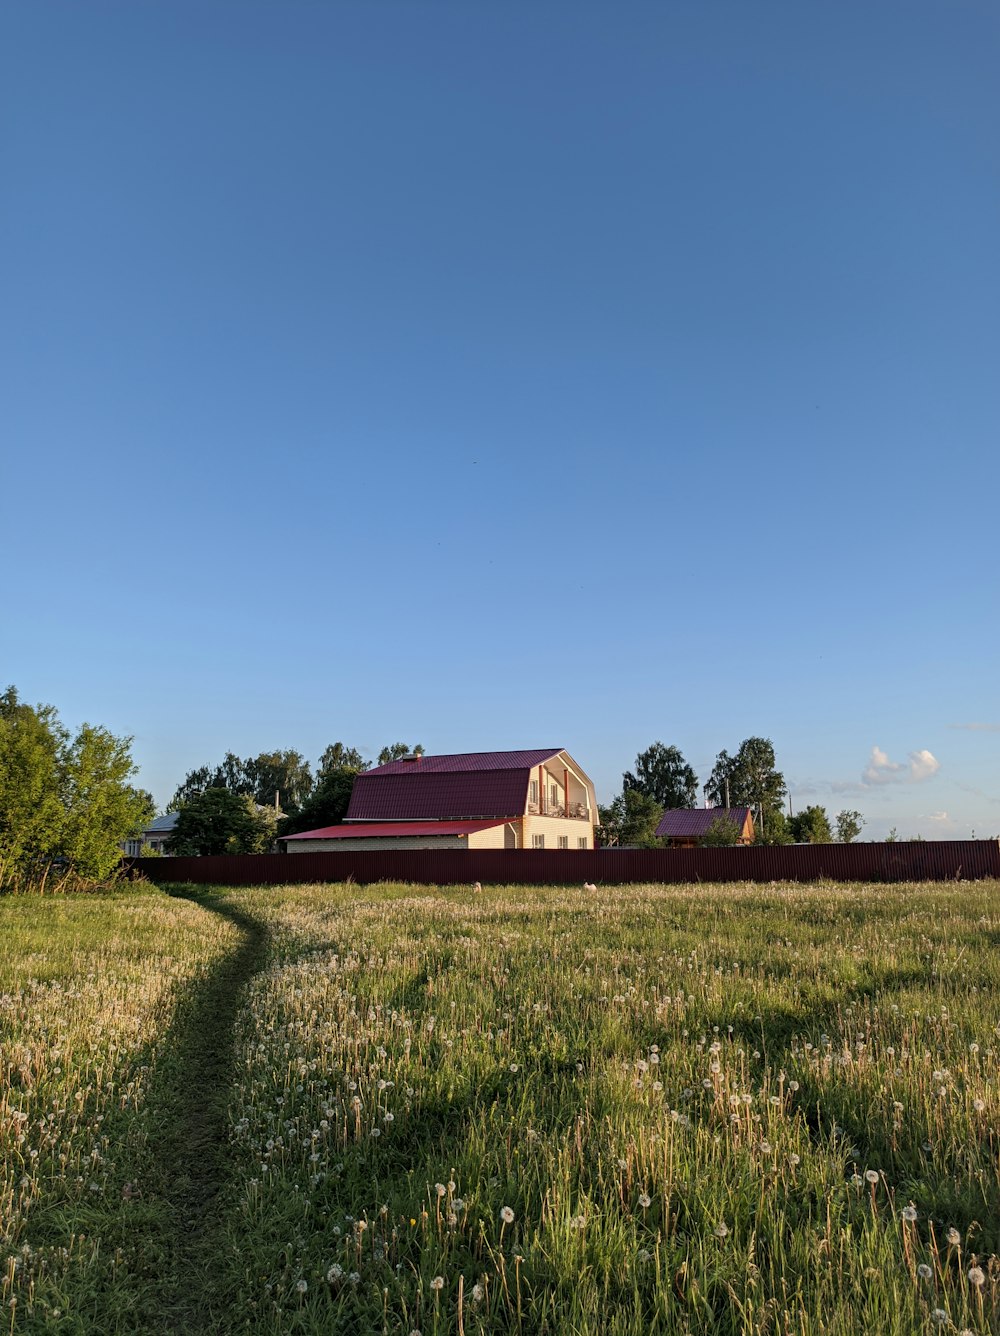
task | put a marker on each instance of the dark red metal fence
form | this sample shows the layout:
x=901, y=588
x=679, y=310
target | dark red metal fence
x=939, y=860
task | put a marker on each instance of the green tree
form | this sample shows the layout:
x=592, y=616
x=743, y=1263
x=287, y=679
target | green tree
x=63, y=796
x=748, y=779
x=723, y=833
x=849, y=825
x=326, y=805
x=31, y=808
x=281, y=775
x=631, y=819
x=662, y=773
x=101, y=807
x=811, y=826
x=774, y=828
x=220, y=821
x=338, y=756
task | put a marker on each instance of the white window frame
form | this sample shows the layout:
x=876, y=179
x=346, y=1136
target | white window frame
x=538, y=841
x=581, y=842
x=563, y=841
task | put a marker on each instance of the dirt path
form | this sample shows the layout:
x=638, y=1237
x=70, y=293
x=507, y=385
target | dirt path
x=193, y=1147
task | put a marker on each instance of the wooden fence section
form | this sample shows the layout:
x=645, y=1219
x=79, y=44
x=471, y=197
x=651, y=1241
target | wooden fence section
x=939, y=860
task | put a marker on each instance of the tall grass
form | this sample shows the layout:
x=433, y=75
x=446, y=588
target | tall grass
x=89, y=991
x=670, y=1110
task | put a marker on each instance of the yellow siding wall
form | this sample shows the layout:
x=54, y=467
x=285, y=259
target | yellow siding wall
x=497, y=837
x=554, y=826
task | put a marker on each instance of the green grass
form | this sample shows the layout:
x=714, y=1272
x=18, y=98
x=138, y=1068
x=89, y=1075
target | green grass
x=702, y=1109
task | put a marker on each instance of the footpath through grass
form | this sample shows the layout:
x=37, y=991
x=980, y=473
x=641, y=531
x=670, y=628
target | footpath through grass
x=397, y=1110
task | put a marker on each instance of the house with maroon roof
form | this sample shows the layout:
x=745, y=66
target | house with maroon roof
x=685, y=827
x=476, y=800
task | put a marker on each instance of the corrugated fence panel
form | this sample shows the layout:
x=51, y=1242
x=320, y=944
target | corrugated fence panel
x=938, y=860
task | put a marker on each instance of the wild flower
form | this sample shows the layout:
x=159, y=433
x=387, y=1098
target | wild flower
x=909, y=1214
x=301, y=1286
x=871, y=1176
x=977, y=1276
x=437, y=1283
x=645, y=1200
x=953, y=1237
x=924, y=1271
x=506, y=1215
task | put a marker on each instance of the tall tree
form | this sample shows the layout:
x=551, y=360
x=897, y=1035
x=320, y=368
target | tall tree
x=327, y=804
x=63, y=796
x=748, y=779
x=338, y=756
x=662, y=773
x=279, y=775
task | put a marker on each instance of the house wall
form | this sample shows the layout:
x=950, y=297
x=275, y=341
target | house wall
x=507, y=836
x=372, y=842
x=554, y=826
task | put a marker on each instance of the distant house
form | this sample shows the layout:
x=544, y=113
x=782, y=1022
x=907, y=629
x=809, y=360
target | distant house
x=476, y=800
x=685, y=827
x=154, y=836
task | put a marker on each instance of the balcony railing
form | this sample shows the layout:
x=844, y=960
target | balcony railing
x=576, y=812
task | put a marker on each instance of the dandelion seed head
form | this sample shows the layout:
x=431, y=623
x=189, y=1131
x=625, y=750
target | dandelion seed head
x=437, y=1283
x=924, y=1271
x=871, y=1176
x=977, y=1276
x=909, y=1214
x=507, y=1215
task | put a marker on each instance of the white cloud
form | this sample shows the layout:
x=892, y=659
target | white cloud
x=940, y=819
x=922, y=765
x=880, y=770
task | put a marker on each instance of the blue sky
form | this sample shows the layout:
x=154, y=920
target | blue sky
x=510, y=375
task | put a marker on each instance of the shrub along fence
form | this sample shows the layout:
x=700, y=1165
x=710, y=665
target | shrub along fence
x=937, y=860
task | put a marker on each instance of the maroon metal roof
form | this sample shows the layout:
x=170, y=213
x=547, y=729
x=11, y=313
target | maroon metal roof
x=472, y=786
x=394, y=830
x=464, y=762
x=682, y=823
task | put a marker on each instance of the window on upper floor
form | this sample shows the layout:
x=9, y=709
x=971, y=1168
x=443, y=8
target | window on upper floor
x=563, y=841
x=538, y=841
x=533, y=792
x=582, y=842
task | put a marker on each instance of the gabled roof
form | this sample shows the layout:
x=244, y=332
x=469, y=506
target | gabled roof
x=681, y=823
x=395, y=830
x=469, y=786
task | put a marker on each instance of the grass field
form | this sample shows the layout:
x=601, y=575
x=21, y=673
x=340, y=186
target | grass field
x=391, y=1109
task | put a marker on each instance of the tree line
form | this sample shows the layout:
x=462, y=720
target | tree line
x=663, y=780
x=243, y=806
x=66, y=798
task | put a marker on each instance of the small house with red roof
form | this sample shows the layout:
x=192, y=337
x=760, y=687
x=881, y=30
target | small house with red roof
x=476, y=800
x=686, y=827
